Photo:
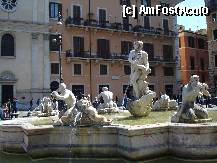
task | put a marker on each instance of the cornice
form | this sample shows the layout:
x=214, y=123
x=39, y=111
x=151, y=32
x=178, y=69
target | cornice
x=27, y=27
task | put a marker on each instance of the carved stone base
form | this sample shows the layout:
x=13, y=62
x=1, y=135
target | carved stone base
x=142, y=107
x=193, y=121
x=87, y=121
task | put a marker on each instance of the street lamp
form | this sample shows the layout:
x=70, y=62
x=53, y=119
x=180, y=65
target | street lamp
x=58, y=42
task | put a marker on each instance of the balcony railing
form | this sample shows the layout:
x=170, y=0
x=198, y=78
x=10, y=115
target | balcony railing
x=83, y=54
x=115, y=56
x=161, y=59
x=119, y=26
x=86, y=54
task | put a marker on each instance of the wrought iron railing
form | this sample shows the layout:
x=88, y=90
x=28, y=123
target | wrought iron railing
x=118, y=26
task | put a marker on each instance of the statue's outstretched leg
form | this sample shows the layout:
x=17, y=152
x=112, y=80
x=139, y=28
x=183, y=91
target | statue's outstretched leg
x=200, y=112
x=189, y=115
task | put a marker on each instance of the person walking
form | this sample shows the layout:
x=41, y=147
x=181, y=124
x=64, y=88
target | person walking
x=14, y=105
x=207, y=101
x=38, y=101
x=31, y=103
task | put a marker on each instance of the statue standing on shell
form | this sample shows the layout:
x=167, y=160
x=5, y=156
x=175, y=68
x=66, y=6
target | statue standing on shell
x=142, y=102
x=189, y=111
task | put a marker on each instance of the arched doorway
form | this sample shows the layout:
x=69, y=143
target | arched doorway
x=7, y=86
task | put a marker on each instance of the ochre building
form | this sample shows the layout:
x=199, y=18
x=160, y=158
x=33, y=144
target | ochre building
x=193, y=50
x=97, y=41
x=212, y=43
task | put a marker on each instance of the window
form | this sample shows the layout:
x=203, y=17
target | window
x=152, y=71
x=126, y=25
x=167, y=52
x=126, y=47
x=166, y=26
x=201, y=43
x=168, y=71
x=55, y=68
x=149, y=48
x=146, y=3
x=77, y=69
x=76, y=15
x=169, y=90
x=151, y=87
x=202, y=66
x=78, y=89
x=102, y=16
x=125, y=2
x=54, y=43
x=8, y=5
x=192, y=63
x=7, y=45
x=101, y=86
x=103, y=48
x=127, y=69
x=146, y=22
x=191, y=42
x=214, y=17
x=78, y=45
x=55, y=9
x=215, y=34
x=103, y=70
x=215, y=60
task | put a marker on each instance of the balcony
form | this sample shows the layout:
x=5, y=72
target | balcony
x=161, y=60
x=85, y=54
x=119, y=27
x=112, y=56
x=74, y=21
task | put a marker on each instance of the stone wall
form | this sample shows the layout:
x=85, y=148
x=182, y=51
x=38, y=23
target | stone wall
x=197, y=141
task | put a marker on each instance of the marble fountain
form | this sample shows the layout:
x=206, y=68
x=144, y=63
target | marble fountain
x=79, y=131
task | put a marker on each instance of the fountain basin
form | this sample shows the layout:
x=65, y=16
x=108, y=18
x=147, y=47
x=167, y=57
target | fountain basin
x=195, y=141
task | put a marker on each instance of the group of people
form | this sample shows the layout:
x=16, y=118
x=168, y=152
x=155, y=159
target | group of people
x=8, y=108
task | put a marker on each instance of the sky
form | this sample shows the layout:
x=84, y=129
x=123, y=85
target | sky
x=193, y=22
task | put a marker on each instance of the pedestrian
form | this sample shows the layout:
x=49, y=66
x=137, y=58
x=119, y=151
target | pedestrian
x=1, y=113
x=9, y=106
x=31, y=103
x=125, y=101
x=38, y=101
x=14, y=105
x=207, y=101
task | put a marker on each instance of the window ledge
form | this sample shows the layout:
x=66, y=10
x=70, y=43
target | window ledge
x=54, y=51
x=7, y=57
x=77, y=75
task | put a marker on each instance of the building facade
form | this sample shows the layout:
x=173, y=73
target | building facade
x=24, y=49
x=194, y=57
x=212, y=44
x=97, y=41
